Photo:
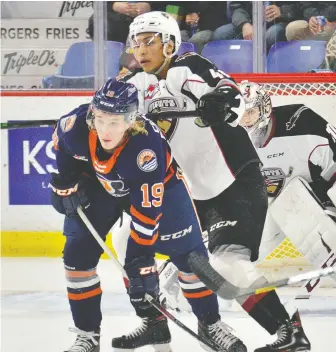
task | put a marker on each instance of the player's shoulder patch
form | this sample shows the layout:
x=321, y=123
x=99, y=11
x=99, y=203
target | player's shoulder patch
x=71, y=125
x=186, y=55
x=147, y=160
x=195, y=62
x=68, y=122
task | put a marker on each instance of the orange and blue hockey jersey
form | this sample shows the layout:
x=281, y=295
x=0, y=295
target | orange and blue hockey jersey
x=140, y=173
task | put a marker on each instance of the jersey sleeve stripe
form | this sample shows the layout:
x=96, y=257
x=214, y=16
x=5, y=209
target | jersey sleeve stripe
x=144, y=230
x=168, y=159
x=143, y=218
x=143, y=241
x=170, y=174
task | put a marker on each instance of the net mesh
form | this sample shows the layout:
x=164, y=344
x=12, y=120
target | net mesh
x=285, y=89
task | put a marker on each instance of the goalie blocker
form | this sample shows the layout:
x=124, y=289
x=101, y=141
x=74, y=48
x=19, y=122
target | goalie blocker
x=310, y=226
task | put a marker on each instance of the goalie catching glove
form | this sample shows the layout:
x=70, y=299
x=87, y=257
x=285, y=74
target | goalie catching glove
x=224, y=104
x=67, y=198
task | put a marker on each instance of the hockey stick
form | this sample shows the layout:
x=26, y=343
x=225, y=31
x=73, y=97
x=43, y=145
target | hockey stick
x=215, y=282
x=9, y=125
x=148, y=297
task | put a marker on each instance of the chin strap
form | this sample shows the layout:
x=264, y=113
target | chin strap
x=166, y=60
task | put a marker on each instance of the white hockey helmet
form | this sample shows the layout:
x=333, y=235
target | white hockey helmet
x=158, y=22
x=258, y=106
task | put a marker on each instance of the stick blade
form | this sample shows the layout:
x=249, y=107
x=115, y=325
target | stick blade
x=210, y=277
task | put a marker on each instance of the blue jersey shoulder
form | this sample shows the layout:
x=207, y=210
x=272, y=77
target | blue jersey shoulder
x=72, y=131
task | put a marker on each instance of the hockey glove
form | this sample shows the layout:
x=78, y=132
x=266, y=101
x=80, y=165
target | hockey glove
x=66, y=198
x=224, y=104
x=143, y=279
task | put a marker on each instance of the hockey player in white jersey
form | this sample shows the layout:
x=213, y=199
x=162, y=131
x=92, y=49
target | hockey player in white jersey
x=298, y=150
x=219, y=162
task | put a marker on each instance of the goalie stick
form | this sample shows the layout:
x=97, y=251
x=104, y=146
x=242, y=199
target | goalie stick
x=10, y=125
x=210, y=344
x=224, y=289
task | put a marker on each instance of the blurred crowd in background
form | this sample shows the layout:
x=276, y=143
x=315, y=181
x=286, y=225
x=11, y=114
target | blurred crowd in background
x=36, y=36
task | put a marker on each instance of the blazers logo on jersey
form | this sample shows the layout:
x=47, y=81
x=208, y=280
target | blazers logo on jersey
x=147, y=160
x=275, y=179
x=115, y=187
x=292, y=121
x=151, y=90
x=67, y=123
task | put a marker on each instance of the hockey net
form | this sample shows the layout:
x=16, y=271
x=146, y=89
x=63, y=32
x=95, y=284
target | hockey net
x=285, y=259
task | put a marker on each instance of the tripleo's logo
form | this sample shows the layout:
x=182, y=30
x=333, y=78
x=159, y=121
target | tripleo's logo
x=15, y=62
x=275, y=179
x=73, y=6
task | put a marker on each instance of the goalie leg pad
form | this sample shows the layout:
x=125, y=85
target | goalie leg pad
x=306, y=222
x=234, y=264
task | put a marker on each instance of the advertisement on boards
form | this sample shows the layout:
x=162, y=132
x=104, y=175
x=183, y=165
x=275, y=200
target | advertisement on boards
x=46, y=9
x=31, y=159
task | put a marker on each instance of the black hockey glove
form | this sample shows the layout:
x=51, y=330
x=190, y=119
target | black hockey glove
x=224, y=104
x=143, y=279
x=66, y=198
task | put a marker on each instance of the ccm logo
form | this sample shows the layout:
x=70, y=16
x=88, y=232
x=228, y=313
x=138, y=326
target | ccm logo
x=65, y=192
x=222, y=224
x=275, y=155
x=176, y=234
x=147, y=270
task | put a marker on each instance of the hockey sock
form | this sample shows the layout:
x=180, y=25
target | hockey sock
x=266, y=309
x=84, y=294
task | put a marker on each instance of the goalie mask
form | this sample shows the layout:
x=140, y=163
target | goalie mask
x=258, y=106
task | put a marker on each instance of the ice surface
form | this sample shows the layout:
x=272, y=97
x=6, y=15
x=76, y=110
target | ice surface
x=35, y=315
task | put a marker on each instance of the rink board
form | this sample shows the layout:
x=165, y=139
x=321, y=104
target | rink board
x=30, y=226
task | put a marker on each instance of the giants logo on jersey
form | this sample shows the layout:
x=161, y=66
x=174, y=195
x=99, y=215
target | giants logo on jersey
x=167, y=127
x=275, y=179
x=151, y=91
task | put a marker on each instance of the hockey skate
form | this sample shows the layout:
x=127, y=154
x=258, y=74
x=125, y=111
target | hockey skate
x=221, y=335
x=86, y=341
x=152, y=331
x=291, y=338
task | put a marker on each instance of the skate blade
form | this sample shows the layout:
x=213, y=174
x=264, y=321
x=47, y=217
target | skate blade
x=163, y=347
